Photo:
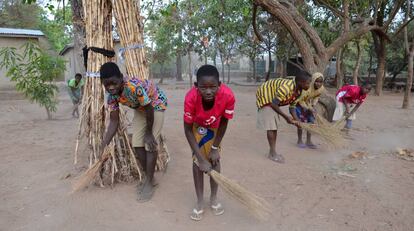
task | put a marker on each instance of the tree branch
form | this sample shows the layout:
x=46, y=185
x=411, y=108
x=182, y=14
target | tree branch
x=400, y=28
x=394, y=12
x=307, y=28
x=280, y=12
x=256, y=32
x=345, y=38
x=325, y=4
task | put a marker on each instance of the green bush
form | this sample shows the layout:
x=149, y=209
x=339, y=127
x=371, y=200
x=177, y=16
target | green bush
x=33, y=71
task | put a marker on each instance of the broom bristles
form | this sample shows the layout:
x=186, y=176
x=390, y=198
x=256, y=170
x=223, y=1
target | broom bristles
x=330, y=134
x=256, y=205
x=87, y=177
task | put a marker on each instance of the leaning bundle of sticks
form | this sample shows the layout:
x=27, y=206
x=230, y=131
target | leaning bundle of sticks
x=120, y=164
x=130, y=29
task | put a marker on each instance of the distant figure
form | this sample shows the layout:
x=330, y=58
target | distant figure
x=304, y=108
x=348, y=99
x=75, y=92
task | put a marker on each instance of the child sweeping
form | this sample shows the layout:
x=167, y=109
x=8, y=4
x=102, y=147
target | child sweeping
x=149, y=103
x=75, y=93
x=208, y=107
x=348, y=99
x=270, y=96
x=303, y=109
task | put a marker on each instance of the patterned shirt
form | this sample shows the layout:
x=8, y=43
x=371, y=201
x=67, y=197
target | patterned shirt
x=137, y=94
x=223, y=107
x=284, y=90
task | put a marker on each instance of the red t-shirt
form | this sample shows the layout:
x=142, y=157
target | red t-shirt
x=352, y=93
x=223, y=107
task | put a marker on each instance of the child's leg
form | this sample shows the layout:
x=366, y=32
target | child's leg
x=348, y=124
x=214, y=185
x=198, y=176
x=309, y=143
x=271, y=138
x=300, y=136
x=141, y=155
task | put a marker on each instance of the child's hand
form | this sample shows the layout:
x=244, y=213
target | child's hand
x=204, y=166
x=214, y=156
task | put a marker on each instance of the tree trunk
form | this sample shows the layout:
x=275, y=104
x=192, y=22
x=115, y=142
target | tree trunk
x=190, y=73
x=380, y=75
x=178, y=64
x=357, y=64
x=228, y=73
x=205, y=57
x=370, y=66
x=222, y=66
x=162, y=73
x=408, y=86
x=253, y=60
x=49, y=114
x=269, y=53
x=339, y=77
x=78, y=34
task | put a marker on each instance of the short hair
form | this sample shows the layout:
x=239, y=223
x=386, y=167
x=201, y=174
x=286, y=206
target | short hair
x=302, y=75
x=78, y=75
x=208, y=70
x=110, y=69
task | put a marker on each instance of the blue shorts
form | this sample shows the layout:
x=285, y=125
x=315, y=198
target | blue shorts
x=304, y=115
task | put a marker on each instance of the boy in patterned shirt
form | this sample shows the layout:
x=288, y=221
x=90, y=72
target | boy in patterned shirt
x=208, y=107
x=273, y=94
x=149, y=103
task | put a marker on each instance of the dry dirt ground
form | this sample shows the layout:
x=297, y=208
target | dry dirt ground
x=317, y=190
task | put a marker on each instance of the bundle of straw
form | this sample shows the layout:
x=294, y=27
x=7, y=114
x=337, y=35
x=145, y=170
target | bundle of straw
x=256, y=205
x=123, y=165
x=330, y=134
x=87, y=177
x=130, y=28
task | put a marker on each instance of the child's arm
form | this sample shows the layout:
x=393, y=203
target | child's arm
x=214, y=154
x=112, y=128
x=203, y=164
x=149, y=138
x=275, y=106
x=353, y=110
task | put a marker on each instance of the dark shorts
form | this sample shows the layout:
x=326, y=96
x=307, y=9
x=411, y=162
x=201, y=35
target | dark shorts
x=304, y=115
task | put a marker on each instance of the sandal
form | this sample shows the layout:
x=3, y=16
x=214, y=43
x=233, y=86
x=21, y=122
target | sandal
x=312, y=146
x=277, y=158
x=197, y=215
x=301, y=145
x=217, y=209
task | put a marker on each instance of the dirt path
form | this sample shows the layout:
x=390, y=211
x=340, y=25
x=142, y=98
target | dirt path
x=314, y=190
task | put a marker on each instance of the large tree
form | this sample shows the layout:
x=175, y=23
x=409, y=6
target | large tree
x=315, y=53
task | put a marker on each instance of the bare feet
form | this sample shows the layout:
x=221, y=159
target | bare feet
x=147, y=192
x=276, y=157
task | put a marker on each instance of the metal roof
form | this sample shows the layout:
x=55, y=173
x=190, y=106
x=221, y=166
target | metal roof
x=20, y=32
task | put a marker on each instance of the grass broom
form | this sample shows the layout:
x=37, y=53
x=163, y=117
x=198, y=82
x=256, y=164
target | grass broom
x=256, y=205
x=87, y=177
x=330, y=134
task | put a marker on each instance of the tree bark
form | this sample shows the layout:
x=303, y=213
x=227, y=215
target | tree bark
x=381, y=59
x=222, y=67
x=269, y=53
x=357, y=64
x=78, y=34
x=409, y=84
x=190, y=73
x=228, y=73
x=253, y=60
x=178, y=64
x=339, y=74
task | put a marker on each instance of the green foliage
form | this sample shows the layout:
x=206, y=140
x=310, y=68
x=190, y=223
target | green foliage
x=14, y=14
x=56, y=24
x=33, y=71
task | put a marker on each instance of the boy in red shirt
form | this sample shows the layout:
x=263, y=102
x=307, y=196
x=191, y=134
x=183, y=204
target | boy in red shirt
x=350, y=96
x=208, y=107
